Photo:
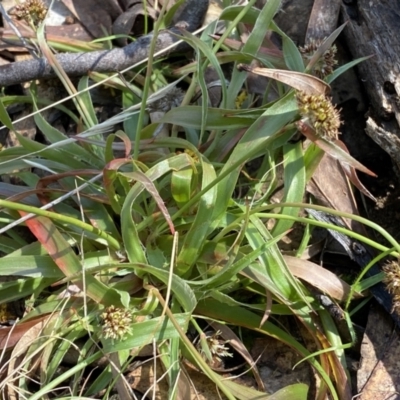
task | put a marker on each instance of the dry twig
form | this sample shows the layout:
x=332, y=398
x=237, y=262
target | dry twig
x=78, y=64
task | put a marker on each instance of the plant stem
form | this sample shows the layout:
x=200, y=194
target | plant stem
x=113, y=243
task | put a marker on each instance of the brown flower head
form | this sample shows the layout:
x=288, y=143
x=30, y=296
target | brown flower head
x=392, y=282
x=116, y=322
x=31, y=11
x=319, y=112
x=325, y=64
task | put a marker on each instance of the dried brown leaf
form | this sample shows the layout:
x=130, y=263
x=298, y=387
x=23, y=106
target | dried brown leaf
x=319, y=277
x=331, y=188
x=332, y=149
x=21, y=338
x=303, y=82
x=10, y=335
x=351, y=174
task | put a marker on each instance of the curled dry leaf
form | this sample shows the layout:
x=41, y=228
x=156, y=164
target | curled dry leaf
x=319, y=277
x=331, y=188
x=303, y=82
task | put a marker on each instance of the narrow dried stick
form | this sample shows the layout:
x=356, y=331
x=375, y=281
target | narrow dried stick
x=78, y=64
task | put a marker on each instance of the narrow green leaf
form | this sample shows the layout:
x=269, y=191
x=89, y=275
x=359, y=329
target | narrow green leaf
x=86, y=99
x=33, y=266
x=291, y=53
x=257, y=139
x=5, y=118
x=339, y=71
x=205, y=49
x=253, y=44
x=133, y=244
x=273, y=272
x=21, y=288
x=201, y=226
x=77, y=223
x=191, y=117
x=70, y=150
x=181, y=186
x=294, y=181
x=296, y=391
x=50, y=154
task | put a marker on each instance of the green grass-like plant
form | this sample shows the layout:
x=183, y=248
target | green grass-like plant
x=140, y=239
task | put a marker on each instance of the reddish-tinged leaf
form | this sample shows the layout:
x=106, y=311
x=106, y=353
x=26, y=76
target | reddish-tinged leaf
x=351, y=174
x=109, y=176
x=150, y=187
x=332, y=149
x=47, y=180
x=68, y=262
x=335, y=192
x=126, y=141
x=339, y=373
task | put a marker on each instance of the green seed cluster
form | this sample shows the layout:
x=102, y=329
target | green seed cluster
x=116, y=322
x=319, y=112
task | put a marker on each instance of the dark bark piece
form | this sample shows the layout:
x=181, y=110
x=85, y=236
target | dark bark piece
x=323, y=19
x=96, y=23
x=293, y=19
x=373, y=29
x=78, y=64
x=127, y=21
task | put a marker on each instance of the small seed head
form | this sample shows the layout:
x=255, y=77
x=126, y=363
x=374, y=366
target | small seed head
x=392, y=282
x=116, y=322
x=325, y=65
x=217, y=346
x=320, y=113
x=31, y=11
